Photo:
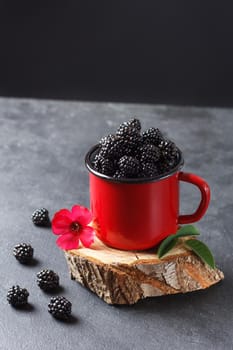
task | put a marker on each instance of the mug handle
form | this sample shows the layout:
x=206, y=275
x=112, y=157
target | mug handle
x=205, y=197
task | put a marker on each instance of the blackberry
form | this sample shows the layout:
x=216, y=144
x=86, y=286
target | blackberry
x=131, y=145
x=40, y=217
x=168, y=149
x=23, y=253
x=103, y=165
x=106, y=139
x=166, y=165
x=17, y=296
x=126, y=129
x=60, y=307
x=169, y=154
x=153, y=136
x=169, y=160
x=47, y=279
x=112, y=146
x=135, y=123
x=149, y=169
x=131, y=137
x=118, y=174
x=129, y=166
x=149, y=153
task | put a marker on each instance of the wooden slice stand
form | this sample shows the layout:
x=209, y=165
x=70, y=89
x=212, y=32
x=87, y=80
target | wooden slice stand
x=124, y=277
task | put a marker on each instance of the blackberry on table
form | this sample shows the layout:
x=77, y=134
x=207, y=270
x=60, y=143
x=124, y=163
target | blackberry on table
x=153, y=136
x=40, y=217
x=17, y=296
x=149, y=153
x=59, y=307
x=47, y=279
x=129, y=166
x=23, y=252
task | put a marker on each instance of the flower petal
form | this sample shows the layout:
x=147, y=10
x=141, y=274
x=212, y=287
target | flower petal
x=68, y=241
x=61, y=225
x=81, y=215
x=64, y=212
x=87, y=236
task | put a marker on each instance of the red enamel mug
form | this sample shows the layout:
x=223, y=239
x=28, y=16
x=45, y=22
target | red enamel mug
x=136, y=214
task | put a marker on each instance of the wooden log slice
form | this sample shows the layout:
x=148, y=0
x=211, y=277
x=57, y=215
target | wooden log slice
x=124, y=277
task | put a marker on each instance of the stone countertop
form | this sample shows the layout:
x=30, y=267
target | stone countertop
x=43, y=145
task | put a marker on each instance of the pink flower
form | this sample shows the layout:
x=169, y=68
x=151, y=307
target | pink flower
x=72, y=226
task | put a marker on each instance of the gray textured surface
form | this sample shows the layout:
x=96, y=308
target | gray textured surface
x=41, y=160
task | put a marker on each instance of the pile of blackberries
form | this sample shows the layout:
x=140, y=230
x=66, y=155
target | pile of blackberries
x=131, y=154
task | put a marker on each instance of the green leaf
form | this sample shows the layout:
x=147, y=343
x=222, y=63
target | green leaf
x=167, y=245
x=200, y=249
x=169, y=242
x=187, y=230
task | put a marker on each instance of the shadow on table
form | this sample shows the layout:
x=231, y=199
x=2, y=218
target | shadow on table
x=72, y=320
x=25, y=308
x=32, y=263
x=55, y=291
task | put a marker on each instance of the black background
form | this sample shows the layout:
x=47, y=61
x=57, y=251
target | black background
x=175, y=52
